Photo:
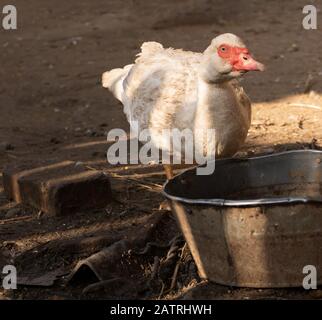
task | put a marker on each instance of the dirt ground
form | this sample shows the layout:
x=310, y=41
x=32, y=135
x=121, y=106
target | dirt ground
x=53, y=107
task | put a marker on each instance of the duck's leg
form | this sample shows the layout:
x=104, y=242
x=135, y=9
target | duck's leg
x=168, y=171
x=165, y=205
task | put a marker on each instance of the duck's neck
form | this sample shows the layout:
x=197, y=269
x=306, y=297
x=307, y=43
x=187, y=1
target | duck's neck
x=209, y=101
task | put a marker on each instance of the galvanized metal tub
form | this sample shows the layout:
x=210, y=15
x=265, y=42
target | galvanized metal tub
x=254, y=222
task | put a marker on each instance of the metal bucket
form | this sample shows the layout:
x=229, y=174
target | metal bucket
x=254, y=222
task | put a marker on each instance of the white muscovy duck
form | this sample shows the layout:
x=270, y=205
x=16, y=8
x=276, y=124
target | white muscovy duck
x=168, y=88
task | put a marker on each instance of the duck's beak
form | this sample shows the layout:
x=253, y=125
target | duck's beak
x=246, y=62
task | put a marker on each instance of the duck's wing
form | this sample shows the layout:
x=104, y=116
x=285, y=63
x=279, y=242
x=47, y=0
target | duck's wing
x=160, y=86
x=155, y=89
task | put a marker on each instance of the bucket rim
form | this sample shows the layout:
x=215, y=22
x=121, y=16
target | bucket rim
x=244, y=202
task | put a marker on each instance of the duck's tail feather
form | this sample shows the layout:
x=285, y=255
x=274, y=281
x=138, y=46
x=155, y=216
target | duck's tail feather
x=113, y=80
x=149, y=49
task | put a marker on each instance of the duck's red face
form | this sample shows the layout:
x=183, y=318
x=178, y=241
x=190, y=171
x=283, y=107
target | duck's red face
x=239, y=58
